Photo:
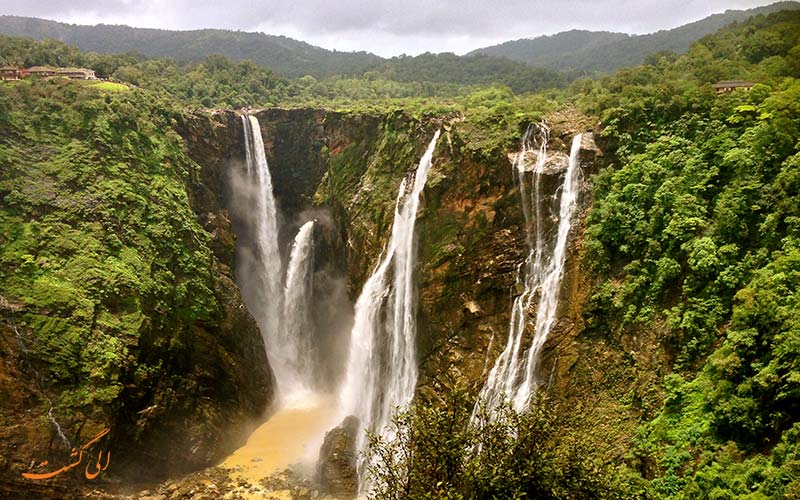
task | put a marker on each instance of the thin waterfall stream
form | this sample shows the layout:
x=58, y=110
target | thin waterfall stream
x=515, y=374
x=295, y=339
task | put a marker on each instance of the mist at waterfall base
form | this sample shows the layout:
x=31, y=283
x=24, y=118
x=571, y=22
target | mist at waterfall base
x=515, y=376
x=331, y=310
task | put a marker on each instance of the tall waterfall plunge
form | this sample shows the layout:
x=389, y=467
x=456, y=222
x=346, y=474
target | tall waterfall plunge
x=514, y=375
x=297, y=346
x=260, y=274
x=381, y=371
x=282, y=312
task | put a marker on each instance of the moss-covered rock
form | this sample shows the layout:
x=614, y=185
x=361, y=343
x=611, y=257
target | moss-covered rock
x=120, y=307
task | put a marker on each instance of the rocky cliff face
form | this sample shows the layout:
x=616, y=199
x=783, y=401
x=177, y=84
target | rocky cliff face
x=470, y=227
x=344, y=169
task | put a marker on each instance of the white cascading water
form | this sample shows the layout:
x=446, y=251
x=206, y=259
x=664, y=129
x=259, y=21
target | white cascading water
x=381, y=372
x=264, y=286
x=514, y=376
x=296, y=342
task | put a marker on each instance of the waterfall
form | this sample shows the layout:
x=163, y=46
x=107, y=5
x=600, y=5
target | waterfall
x=381, y=371
x=296, y=342
x=259, y=276
x=514, y=375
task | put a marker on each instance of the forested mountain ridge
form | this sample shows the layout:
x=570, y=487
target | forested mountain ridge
x=602, y=51
x=285, y=56
x=219, y=81
x=572, y=51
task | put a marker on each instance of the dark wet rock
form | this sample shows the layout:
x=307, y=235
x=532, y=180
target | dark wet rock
x=470, y=226
x=336, y=471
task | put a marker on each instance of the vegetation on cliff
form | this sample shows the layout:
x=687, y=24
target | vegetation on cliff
x=117, y=297
x=695, y=227
x=439, y=451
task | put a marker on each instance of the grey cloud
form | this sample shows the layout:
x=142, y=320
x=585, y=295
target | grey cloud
x=370, y=21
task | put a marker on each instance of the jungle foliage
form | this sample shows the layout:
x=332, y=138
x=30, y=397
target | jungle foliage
x=696, y=227
x=98, y=243
x=440, y=451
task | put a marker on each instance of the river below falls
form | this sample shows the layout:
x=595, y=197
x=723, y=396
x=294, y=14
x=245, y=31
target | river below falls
x=292, y=435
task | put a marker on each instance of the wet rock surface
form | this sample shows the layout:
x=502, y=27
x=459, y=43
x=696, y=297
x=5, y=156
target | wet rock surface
x=220, y=483
x=336, y=471
x=470, y=226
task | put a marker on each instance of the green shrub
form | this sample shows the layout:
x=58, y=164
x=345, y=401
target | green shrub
x=439, y=452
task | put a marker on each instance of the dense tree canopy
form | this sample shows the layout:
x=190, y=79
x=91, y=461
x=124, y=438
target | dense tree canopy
x=696, y=227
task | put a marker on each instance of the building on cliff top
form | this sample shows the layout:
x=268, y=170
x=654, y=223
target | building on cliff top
x=77, y=73
x=74, y=73
x=12, y=73
x=725, y=86
x=42, y=71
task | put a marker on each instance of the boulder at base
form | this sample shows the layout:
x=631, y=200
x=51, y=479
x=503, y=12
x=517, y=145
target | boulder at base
x=336, y=471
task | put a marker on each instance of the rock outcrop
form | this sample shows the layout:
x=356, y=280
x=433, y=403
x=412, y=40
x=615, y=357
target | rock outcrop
x=336, y=471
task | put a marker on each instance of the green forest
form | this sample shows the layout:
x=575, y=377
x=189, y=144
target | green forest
x=692, y=241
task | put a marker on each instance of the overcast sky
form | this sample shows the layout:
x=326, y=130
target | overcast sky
x=386, y=27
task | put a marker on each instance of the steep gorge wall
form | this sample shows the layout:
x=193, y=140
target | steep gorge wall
x=470, y=227
x=117, y=309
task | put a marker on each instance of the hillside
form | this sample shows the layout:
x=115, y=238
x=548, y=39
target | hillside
x=285, y=56
x=602, y=51
x=467, y=70
x=573, y=52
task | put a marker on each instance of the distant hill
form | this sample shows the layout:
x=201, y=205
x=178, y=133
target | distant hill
x=602, y=51
x=523, y=65
x=283, y=55
x=468, y=70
